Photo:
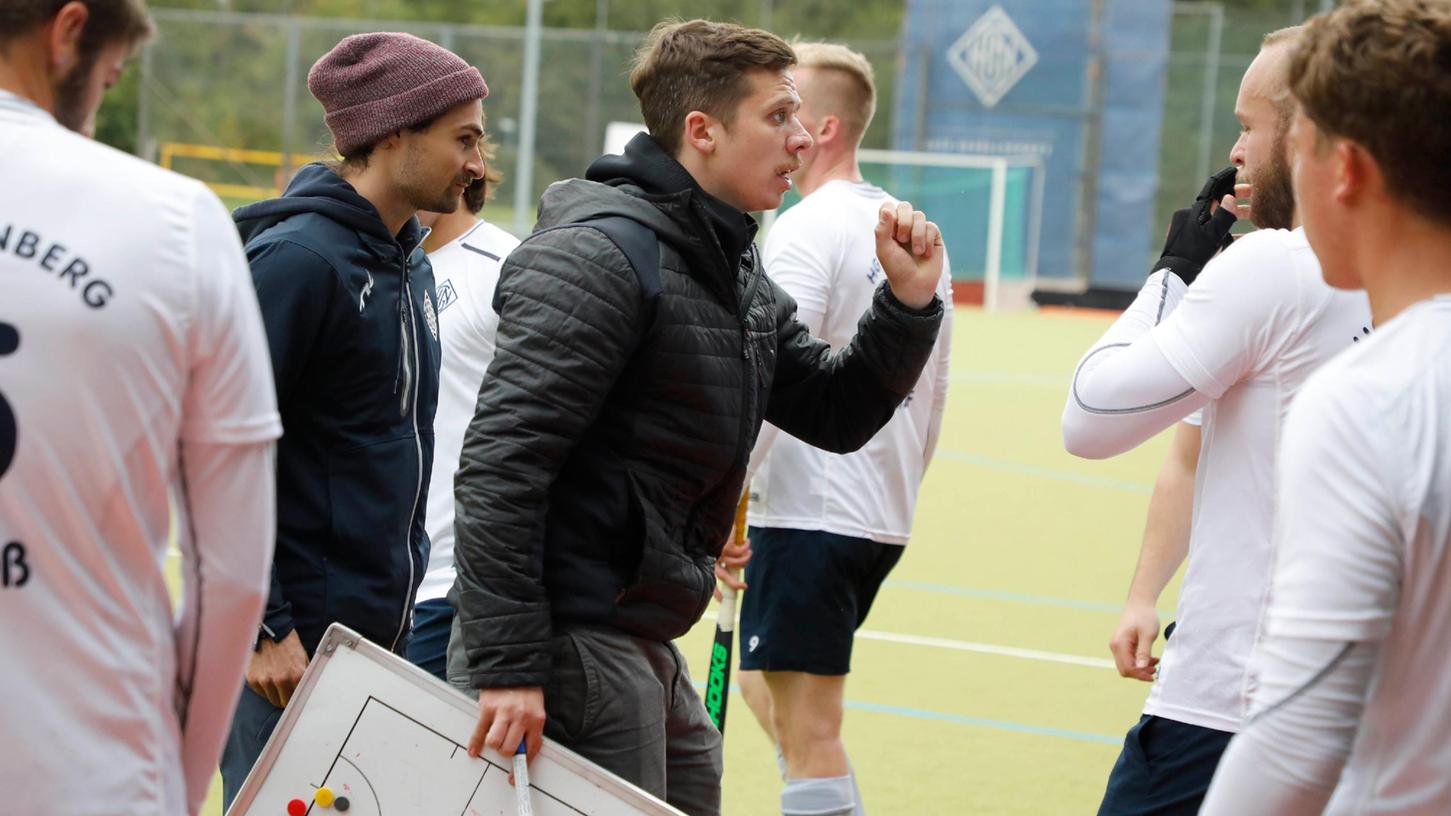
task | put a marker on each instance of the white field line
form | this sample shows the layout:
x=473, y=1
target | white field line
x=979, y=648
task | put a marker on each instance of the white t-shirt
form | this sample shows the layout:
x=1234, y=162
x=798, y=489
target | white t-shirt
x=466, y=270
x=1249, y=332
x=134, y=371
x=1364, y=557
x=823, y=253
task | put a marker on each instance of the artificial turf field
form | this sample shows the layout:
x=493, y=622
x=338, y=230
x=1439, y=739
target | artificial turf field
x=981, y=682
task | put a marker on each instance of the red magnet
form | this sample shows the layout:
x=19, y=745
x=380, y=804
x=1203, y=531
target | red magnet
x=296, y=807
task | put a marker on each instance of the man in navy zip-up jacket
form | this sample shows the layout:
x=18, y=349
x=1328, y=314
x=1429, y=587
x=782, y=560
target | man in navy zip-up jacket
x=348, y=301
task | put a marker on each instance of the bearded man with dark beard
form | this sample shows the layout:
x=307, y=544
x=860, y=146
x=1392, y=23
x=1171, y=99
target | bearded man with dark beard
x=1229, y=330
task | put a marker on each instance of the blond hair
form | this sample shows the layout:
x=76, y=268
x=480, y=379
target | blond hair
x=852, y=86
x=1279, y=91
x=1379, y=74
x=1281, y=36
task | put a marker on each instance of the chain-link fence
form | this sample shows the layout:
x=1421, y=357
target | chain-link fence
x=223, y=95
x=1210, y=48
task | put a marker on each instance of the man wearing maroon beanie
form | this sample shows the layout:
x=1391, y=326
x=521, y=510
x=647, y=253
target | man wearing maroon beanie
x=348, y=301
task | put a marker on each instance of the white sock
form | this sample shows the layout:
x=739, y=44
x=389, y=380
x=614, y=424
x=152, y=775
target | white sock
x=861, y=806
x=829, y=796
x=781, y=764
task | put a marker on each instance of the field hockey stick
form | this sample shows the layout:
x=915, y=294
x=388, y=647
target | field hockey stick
x=718, y=681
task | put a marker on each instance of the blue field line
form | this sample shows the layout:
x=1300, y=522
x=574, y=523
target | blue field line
x=1143, y=488
x=962, y=719
x=995, y=595
x=983, y=722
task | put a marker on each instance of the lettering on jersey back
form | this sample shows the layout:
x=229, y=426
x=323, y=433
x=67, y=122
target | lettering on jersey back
x=9, y=342
x=55, y=259
x=14, y=571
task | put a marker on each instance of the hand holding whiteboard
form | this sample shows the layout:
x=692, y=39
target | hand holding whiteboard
x=390, y=739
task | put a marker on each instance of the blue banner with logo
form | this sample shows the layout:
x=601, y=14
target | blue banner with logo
x=1018, y=78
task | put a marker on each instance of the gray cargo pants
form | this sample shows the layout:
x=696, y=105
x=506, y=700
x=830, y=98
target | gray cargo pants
x=627, y=704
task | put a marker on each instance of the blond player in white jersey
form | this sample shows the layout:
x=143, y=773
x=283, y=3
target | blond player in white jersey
x=827, y=528
x=1352, y=709
x=1238, y=343
x=466, y=254
x=134, y=378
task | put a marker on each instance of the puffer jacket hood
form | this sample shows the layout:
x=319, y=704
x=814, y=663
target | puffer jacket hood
x=646, y=185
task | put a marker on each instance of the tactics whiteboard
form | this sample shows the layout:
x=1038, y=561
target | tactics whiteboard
x=388, y=739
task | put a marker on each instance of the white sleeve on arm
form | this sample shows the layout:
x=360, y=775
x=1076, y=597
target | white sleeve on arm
x=1124, y=390
x=1287, y=759
x=799, y=257
x=227, y=495
x=943, y=372
x=1335, y=588
x=1178, y=347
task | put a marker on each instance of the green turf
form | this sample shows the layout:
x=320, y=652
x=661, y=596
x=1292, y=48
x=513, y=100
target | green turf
x=1016, y=545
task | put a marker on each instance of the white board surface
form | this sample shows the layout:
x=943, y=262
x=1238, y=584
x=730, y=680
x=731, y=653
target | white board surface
x=390, y=738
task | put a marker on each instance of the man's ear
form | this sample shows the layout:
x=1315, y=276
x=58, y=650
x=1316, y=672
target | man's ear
x=828, y=131
x=390, y=142
x=1356, y=173
x=63, y=37
x=701, y=132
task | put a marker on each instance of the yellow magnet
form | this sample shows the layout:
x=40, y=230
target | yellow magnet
x=324, y=797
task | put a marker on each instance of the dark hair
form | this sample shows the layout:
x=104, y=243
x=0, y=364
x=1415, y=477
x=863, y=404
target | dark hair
x=699, y=65
x=1379, y=74
x=108, y=21
x=482, y=189
x=357, y=159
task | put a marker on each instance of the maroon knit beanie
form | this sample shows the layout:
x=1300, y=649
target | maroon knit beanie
x=371, y=85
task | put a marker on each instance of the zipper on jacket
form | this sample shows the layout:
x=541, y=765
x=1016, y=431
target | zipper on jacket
x=750, y=368
x=407, y=341
x=747, y=382
x=418, y=448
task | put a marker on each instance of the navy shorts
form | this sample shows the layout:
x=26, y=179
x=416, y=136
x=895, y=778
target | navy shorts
x=808, y=591
x=1164, y=769
x=428, y=640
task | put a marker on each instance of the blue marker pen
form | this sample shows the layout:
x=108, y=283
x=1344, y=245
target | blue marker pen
x=522, y=803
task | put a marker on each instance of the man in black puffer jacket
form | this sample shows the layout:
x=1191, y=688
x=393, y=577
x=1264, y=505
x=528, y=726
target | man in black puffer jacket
x=609, y=446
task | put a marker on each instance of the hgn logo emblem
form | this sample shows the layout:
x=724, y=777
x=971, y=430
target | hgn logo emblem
x=992, y=56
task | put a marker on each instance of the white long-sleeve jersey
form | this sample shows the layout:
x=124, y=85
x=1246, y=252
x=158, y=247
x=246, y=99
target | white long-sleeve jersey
x=1352, y=701
x=1239, y=343
x=134, y=376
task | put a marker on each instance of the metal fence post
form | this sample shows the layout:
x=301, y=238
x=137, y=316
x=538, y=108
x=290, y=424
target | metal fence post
x=590, y=139
x=289, y=96
x=1211, y=89
x=528, y=115
x=143, y=105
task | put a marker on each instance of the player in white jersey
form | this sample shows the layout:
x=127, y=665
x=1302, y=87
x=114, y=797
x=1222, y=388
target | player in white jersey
x=827, y=528
x=134, y=379
x=466, y=254
x=1352, y=709
x=1238, y=343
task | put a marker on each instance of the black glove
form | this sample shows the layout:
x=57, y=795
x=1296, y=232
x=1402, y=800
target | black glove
x=1195, y=235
